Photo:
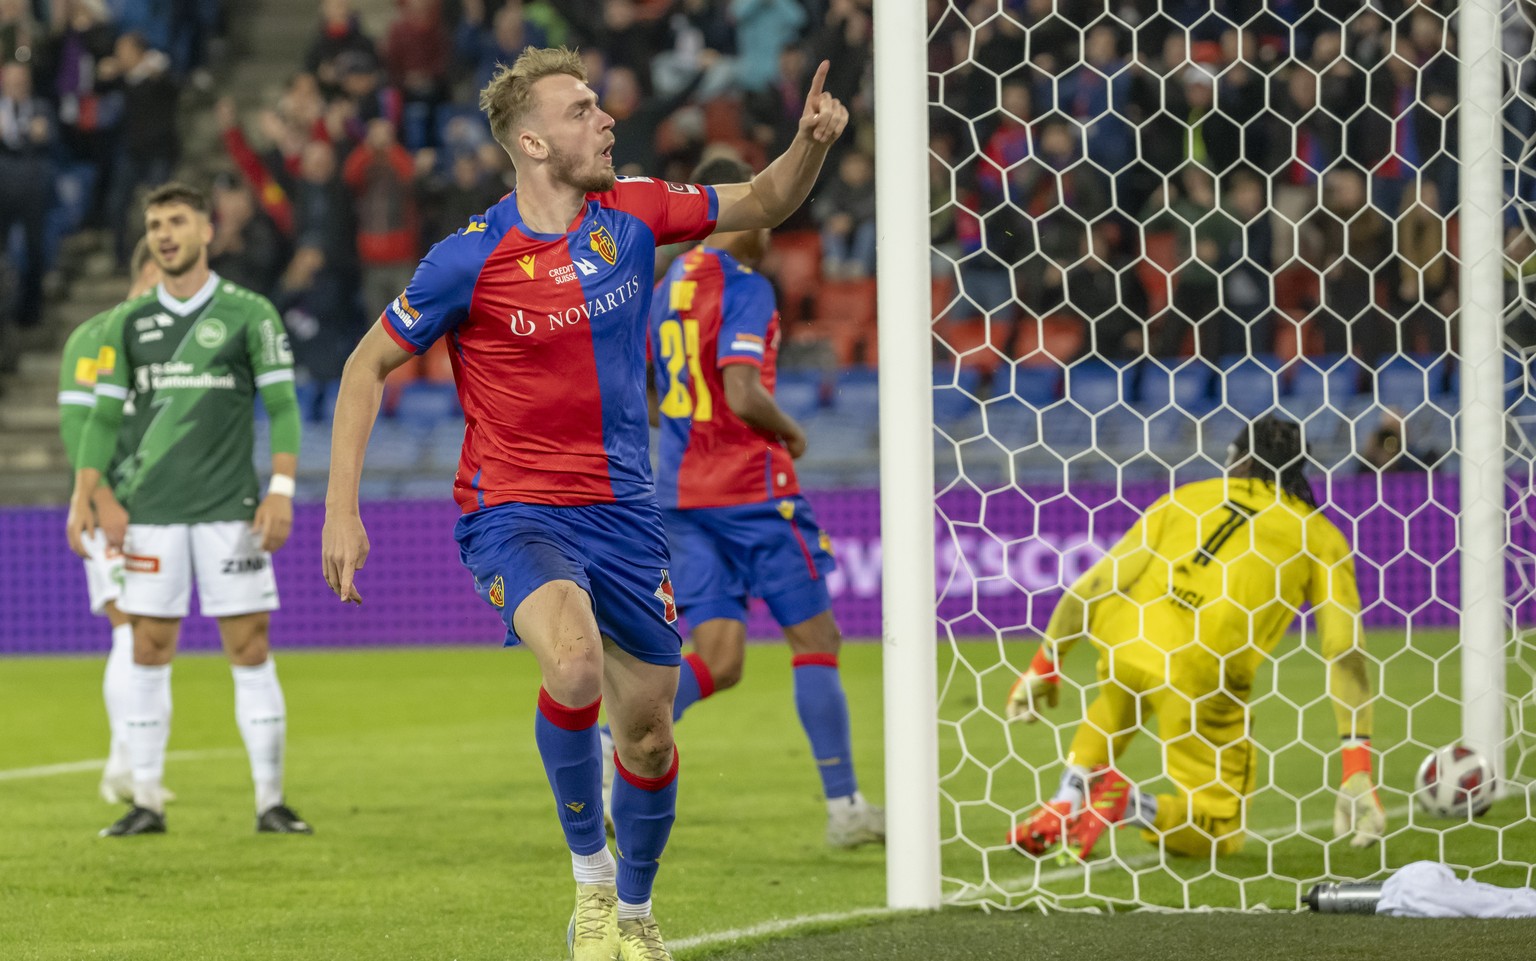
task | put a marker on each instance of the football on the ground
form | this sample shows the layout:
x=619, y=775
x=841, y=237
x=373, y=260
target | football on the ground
x=1455, y=781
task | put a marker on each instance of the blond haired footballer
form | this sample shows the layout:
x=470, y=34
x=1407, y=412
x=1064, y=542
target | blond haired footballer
x=544, y=302
x=1183, y=610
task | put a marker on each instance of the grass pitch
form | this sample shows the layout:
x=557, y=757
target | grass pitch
x=436, y=839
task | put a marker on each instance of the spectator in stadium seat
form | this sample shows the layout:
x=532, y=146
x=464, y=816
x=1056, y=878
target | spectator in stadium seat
x=320, y=284
x=693, y=27
x=845, y=208
x=481, y=42
x=340, y=33
x=1098, y=93
x=247, y=247
x=763, y=29
x=1101, y=289
x=1248, y=263
x=417, y=55
x=1423, y=293
x=1008, y=145
x=774, y=113
x=846, y=41
x=636, y=118
x=997, y=43
x=626, y=36
x=1318, y=138
x=365, y=96
x=1158, y=106
x=448, y=201
x=381, y=175
x=1053, y=39
x=27, y=137
x=83, y=37
x=1195, y=310
x=1201, y=121
x=149, y=142
x=1238, y=129
x=1349, y=243
x=193, y=25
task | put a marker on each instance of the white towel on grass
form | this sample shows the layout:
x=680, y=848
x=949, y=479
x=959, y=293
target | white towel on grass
x=1426, y=889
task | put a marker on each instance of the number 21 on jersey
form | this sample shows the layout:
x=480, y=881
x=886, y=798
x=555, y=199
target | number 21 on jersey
x=679, y=350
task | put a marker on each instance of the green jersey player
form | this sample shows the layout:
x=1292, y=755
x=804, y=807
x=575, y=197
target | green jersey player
x=104, y=563
x=193, y=354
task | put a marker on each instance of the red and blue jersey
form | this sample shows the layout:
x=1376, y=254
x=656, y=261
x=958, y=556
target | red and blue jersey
x=546, y=335
x=709, y=312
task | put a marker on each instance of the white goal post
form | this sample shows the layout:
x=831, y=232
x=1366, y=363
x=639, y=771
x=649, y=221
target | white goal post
x=1046, y=445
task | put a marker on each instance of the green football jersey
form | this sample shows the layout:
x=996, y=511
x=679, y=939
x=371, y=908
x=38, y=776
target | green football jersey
x=193, y=368
x=83, y=357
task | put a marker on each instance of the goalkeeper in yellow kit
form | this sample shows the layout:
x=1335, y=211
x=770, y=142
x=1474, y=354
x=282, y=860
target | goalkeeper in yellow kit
x=1183, y=611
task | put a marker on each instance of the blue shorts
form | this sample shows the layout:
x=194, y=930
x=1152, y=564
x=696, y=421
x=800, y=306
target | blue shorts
x=616, y=552
x=721, y=556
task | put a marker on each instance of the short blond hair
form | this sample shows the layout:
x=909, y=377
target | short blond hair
x=507, y=99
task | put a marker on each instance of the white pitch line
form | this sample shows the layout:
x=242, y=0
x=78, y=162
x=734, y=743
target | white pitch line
x=787, y=925
x=76, y=767
x=778, y=927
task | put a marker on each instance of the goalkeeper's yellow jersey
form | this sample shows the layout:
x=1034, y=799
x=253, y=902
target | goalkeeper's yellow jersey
x=1204, y=586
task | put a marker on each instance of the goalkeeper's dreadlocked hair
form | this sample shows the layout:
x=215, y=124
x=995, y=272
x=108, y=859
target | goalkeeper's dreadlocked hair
x=1270, y=449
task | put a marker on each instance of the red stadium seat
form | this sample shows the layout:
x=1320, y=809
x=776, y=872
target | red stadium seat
x=973, y=343
x=1296, y=288
x=845, y=316
x=1057, y=339
x=1155, y=270
x=795, y=262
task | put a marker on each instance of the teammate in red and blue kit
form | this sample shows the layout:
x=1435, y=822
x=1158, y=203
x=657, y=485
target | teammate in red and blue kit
x=544, y=301
x=730, y=501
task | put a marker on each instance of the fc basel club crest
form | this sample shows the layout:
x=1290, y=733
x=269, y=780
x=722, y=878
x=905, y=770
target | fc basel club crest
x=498, y=592
x=603, y=245
x=668, y=602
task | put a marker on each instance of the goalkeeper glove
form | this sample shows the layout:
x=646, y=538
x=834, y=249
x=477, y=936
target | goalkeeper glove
x=1041, y=683
x=1358, y=810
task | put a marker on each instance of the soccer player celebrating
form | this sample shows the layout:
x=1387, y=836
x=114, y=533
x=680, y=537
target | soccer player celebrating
x=544, y=301
x=1184, y=609
x=735, y=519
x=104, y=563
x=194, y=354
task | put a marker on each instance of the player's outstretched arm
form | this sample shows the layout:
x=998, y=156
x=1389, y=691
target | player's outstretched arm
x=1039, y=686
x=1335, y=598
x=782, y=187
x=748, y=399
x=343, y=541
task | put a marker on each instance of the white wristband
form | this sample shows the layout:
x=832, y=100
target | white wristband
x=281, y=484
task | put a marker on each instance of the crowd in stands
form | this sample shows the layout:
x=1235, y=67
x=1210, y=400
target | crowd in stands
x=332, y=189
x=1163, y=182
x=88, y=100
x=1157, y=182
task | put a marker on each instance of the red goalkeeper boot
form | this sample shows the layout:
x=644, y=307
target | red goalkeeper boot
x=1107, y=801
x=1044, y=829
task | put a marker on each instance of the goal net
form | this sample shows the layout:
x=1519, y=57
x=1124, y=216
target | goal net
x=1150, y=225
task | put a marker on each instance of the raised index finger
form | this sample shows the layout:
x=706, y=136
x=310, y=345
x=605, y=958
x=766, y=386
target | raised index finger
x=816, y=81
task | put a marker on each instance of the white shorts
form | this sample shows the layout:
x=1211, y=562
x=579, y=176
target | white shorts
x=234, y=575
x=103, y=571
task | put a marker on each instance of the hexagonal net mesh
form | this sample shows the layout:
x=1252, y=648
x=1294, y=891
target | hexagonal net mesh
x=1152, y=225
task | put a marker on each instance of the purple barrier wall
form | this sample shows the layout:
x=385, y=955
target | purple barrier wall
x=1002, y=558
